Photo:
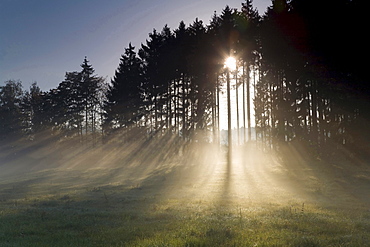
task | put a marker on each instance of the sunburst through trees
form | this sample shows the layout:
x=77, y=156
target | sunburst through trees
x=251, y=130
x=278, y=71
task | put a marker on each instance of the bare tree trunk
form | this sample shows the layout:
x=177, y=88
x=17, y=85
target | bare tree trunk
x=218, y=108
x=86, y=122
x=183, y=107
x=314, y=133
x=229, y=130
x=169, y=110
x=248, y=105
x=93, y=124
x=237, y=104
x=244, y=118
x=214, y=131
x=254, y=93
x=177, y=117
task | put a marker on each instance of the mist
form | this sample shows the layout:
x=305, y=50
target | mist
x=251, y=130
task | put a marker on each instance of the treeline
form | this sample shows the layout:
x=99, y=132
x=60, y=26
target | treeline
x=302, y=59
x=313, y=88
x=73, y=109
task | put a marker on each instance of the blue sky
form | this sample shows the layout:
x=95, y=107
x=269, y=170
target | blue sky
x=40, y=40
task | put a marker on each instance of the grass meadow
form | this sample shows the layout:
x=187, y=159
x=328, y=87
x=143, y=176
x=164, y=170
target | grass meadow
x=258, y=201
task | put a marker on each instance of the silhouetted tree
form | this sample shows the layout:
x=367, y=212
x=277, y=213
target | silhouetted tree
x=11, y=118
x=88, y=88
x=309, y=91
x=248, y=22
x=32, y=108
x=305, y=58
x=125, y=106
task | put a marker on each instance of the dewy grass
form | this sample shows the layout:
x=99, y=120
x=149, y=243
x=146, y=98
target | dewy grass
x=146, y=222
x=255, y=204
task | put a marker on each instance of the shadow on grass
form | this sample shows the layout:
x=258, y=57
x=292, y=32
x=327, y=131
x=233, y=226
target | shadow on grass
x=339, y=181
x=136, y=195
x=131, y=219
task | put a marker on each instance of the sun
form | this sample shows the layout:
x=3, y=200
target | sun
x=230, y=63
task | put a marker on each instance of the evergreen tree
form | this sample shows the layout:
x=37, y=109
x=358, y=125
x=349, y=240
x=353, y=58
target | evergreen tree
x=248, y=23
x=68, y=102
x=11, y=118
x=88, y=88
x=182, y=48
x=308, y=90
x=124, y=106
x=32, y=108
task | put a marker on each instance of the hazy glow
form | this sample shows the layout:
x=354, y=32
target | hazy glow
x=230, y=63
x=165, y=169
x=253, y=75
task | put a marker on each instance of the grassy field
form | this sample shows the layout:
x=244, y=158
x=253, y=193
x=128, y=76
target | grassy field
x=258, y=201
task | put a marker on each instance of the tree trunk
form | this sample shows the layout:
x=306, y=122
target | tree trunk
x=244, y=117
x=237, y=105
x=249, y=105
x=183, y=108
x=229, y=130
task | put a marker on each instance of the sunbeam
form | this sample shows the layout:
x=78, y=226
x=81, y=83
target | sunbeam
x=249, y=130
x=230, y=63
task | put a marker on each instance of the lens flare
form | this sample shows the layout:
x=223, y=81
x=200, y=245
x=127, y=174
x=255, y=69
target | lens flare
x=230, y=63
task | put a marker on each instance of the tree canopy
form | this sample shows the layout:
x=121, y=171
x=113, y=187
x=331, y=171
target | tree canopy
x=300, y=65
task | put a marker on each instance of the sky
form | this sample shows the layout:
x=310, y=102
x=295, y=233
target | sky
x=41, y=40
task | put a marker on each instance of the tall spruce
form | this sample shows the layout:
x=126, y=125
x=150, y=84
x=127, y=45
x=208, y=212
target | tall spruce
x=11, y=118
x=125, y=106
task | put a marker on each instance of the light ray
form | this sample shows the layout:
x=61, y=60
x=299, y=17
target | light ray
x=230, y=63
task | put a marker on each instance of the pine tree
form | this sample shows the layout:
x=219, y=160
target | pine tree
x=67, y=101
x=32, y=110
x=153, y=84
x=248, y=23
x=11, y=125
x=182, y=49
x=124, y=107
x=88, y=89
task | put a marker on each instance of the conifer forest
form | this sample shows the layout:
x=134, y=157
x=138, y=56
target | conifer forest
x=298, y=136
x=302, y=62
